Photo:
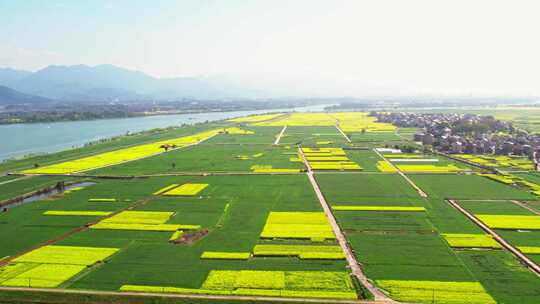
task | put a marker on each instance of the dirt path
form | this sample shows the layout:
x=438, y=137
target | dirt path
x=280, y=135
x=248, y=299
x=14, y=180
x=343, y=133
x=340, y=237
x=524, y=205
x=523, y=258
x=418, y=189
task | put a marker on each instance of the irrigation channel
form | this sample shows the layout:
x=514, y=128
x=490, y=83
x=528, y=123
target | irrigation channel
x=41, y=194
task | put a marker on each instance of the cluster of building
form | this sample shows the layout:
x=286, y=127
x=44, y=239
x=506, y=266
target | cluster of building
x=466, y=133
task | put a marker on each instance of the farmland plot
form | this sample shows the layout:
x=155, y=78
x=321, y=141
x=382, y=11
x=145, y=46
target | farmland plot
x=209, y=158
x=233, y=212
x=466, y=187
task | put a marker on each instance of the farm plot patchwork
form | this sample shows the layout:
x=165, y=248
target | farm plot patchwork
x=31, y=226
x=516, y=224
x=418, y=264
x=232, y=215
x=210, y=158
x=349, y=122
x=266, y=235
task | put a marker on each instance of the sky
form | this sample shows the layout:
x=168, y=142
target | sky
x=330, y=47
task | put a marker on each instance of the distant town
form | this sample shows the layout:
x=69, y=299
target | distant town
x=465, y=133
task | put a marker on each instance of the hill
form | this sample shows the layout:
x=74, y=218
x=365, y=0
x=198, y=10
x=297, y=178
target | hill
x=111, y=83
x=8, y=76
x=10, y=96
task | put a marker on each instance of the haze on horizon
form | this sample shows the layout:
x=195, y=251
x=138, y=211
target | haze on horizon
x=311, y=47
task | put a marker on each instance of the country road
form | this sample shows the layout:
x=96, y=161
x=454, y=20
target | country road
x=418, y=189
x=340, y=237
x=280, y=135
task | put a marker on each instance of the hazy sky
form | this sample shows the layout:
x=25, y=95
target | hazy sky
x=326, y=47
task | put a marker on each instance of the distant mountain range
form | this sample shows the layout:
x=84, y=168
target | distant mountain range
x=10, y=96
x=107, y=83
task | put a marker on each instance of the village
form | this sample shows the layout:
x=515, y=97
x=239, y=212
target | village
x=465, y=133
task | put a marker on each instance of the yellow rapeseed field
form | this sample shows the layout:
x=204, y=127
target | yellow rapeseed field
x=50, y=266
x=347, y=121
x=510, y=221
x=529, y=249
x=142, y=220
x=301, y=284
x=185, y=190
x=297, y=225
x=121, y=155
x=329, y=159
x=470, y=240
x=44, y=275
x=302, y=251
x=220, y=255
x=75, y=255
x=437, y=292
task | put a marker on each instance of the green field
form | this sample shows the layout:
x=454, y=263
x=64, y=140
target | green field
x=211, y=241
x=309, y=136
x=466, y=187
x=208, y=158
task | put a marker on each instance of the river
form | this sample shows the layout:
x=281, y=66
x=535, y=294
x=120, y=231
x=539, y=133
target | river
x=17, y=140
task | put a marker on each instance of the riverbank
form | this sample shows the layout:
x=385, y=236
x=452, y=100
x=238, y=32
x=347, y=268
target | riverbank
x=61, y=141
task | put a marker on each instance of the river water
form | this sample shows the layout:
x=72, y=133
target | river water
x=17, y=140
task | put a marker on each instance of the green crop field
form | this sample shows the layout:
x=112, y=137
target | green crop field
x=231, y=214
x=311, y=136
x=467, y=187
